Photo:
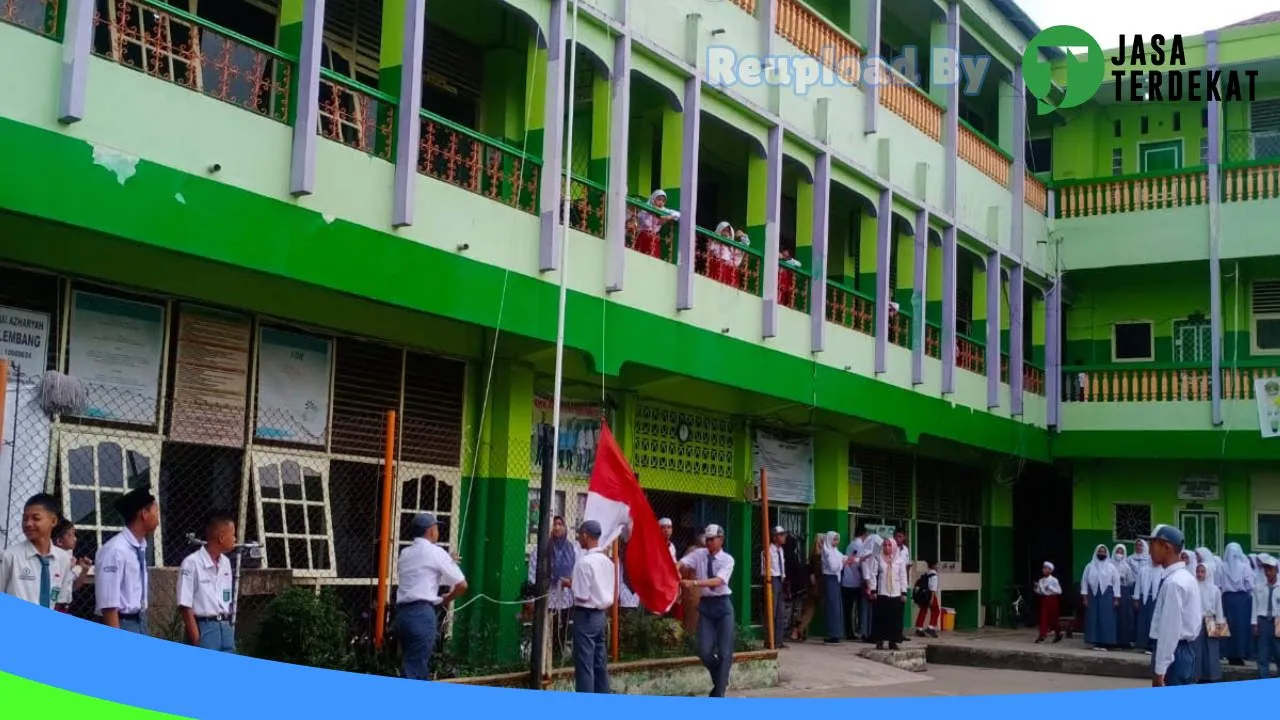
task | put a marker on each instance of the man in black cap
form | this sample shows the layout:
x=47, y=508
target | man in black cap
x=1177, y=619
x=121, y=585
x=422, y=569
x=593, y=590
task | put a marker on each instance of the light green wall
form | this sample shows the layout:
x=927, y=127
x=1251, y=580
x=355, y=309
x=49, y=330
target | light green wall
x=1159, y=294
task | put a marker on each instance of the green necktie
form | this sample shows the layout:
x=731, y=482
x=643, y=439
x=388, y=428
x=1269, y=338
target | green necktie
x=46, y=586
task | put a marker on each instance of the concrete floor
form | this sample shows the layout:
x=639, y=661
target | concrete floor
x=813, y=670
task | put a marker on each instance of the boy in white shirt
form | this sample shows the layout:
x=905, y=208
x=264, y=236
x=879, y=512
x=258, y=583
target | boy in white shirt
x=205, y=587
x=1049, y=590
x=35, y=569
x=929, y=600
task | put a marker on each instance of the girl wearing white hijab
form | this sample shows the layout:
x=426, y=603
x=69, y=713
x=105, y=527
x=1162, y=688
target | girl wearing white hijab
x=1147, y=579
x=869, y=557
x=649, y=225
x=1236, y=582
x=1126, y=618
x=833, y=562
x=1205, y=556
x=889, y=590
x=1100, y=593
x=724, y=260
x=1208, y=658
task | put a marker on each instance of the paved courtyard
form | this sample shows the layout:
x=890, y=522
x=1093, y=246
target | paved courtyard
x=815, y=670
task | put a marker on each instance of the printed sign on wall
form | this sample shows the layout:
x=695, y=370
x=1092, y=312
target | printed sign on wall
x=24, y=342
x=294, y=379
x=789, y=463
x=116, y=349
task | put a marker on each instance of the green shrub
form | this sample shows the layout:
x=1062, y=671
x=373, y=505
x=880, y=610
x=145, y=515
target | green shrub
x=303, y=627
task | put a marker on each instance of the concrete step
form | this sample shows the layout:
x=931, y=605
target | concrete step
x=1118, y=664
x=913, y=659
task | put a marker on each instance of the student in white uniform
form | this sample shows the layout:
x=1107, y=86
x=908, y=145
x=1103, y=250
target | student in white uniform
x=1050, y=592
x=777, y=572
x=563, y=553
x=1266, y=609
x=1178, y=616
x=1144, y=594
x=592, y=588
x=667, y=529
x=1208, y=656
x=712, y=569
x=928, y=598
x=1100, y=594
x=1236, y=583
x=205, y=586
x=851, y=585
x=888, y=589
x=868, y=559
x=422, y=568
x=64, y=537
x=122, y=584
x=35, y=570
x=833, y=564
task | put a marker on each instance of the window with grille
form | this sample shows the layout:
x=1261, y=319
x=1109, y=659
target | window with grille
x=1132, y=521
x=295, y=525
x=1264, y=128
x=886, y=483
x=95, y=471
x=1204, y=150
x=1117, y=161
x=1266, y=316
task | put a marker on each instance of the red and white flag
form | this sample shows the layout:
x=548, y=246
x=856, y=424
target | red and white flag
x=616, y=501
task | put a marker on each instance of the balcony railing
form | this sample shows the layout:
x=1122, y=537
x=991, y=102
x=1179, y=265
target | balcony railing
x=1037, y=195
x=849, y=308
x=793, y=287
x=900, y=327
x=728, y=262
x=357, y=116
x=1133, y=193
x=38, y=16
x=1158, y=383
x=466, y=159
x=747, y=5
x=904, y=99
x=970, y=355
x=983, y=155
x=587, y=205
x=1253, y=180
x=648, y=234
x=180, y=48
x=1032, y=379
x=813, y=35
x=933, y=339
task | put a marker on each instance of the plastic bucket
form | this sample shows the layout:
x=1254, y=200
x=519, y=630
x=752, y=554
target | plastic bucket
x=948, y=619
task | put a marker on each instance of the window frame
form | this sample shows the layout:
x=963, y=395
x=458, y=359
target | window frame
x=1255, y=530
x=1179, y=145
x=956, y=566
x=1254, y=317
x=1117, y=162
x=1151, y=345
x=1115, y=507
x=73, y=437
x=259, y=458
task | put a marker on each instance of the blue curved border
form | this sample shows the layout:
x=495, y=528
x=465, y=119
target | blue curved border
x=179, y=680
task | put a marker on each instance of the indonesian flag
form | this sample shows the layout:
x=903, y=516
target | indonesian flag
x=615, y=500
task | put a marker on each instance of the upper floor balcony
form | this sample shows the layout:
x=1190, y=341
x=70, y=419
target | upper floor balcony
x=218, y=91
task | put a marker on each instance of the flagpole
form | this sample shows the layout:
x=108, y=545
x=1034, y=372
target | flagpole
x=542, y=659
x=769, y=599
x=617, y=594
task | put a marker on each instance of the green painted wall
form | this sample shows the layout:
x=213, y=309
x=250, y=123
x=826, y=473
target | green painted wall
x=1158, y=294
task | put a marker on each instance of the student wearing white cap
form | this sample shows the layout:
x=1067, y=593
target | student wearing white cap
x=1266, y=610
x=1050, y=592
x=665, y=524
x=122, y=582
x=593, y=589
x=422, y=569
x=1178, y=616
x=712, y=569
x=777, y=571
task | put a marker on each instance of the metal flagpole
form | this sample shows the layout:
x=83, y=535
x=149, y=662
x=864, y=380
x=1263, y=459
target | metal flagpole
x=543, y=658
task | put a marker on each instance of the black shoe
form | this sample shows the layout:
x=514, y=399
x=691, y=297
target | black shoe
x=919, y=632
x=1057, y=638
x=831, y=641
x=879, y=646
x=893, y=647
x=932, y=633
x=783, y=646
x=1039, y=639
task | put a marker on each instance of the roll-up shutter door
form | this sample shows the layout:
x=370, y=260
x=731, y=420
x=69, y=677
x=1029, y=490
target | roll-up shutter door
x=431, y=430
x=366, y=385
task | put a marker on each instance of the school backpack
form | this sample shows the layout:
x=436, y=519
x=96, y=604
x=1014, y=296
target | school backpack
x=921, y=594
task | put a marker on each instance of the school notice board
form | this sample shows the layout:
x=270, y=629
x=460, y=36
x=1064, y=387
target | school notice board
x=211, y=377
x=24, y=342
x=789, y=462
x=116, y=349
x=294, y=380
